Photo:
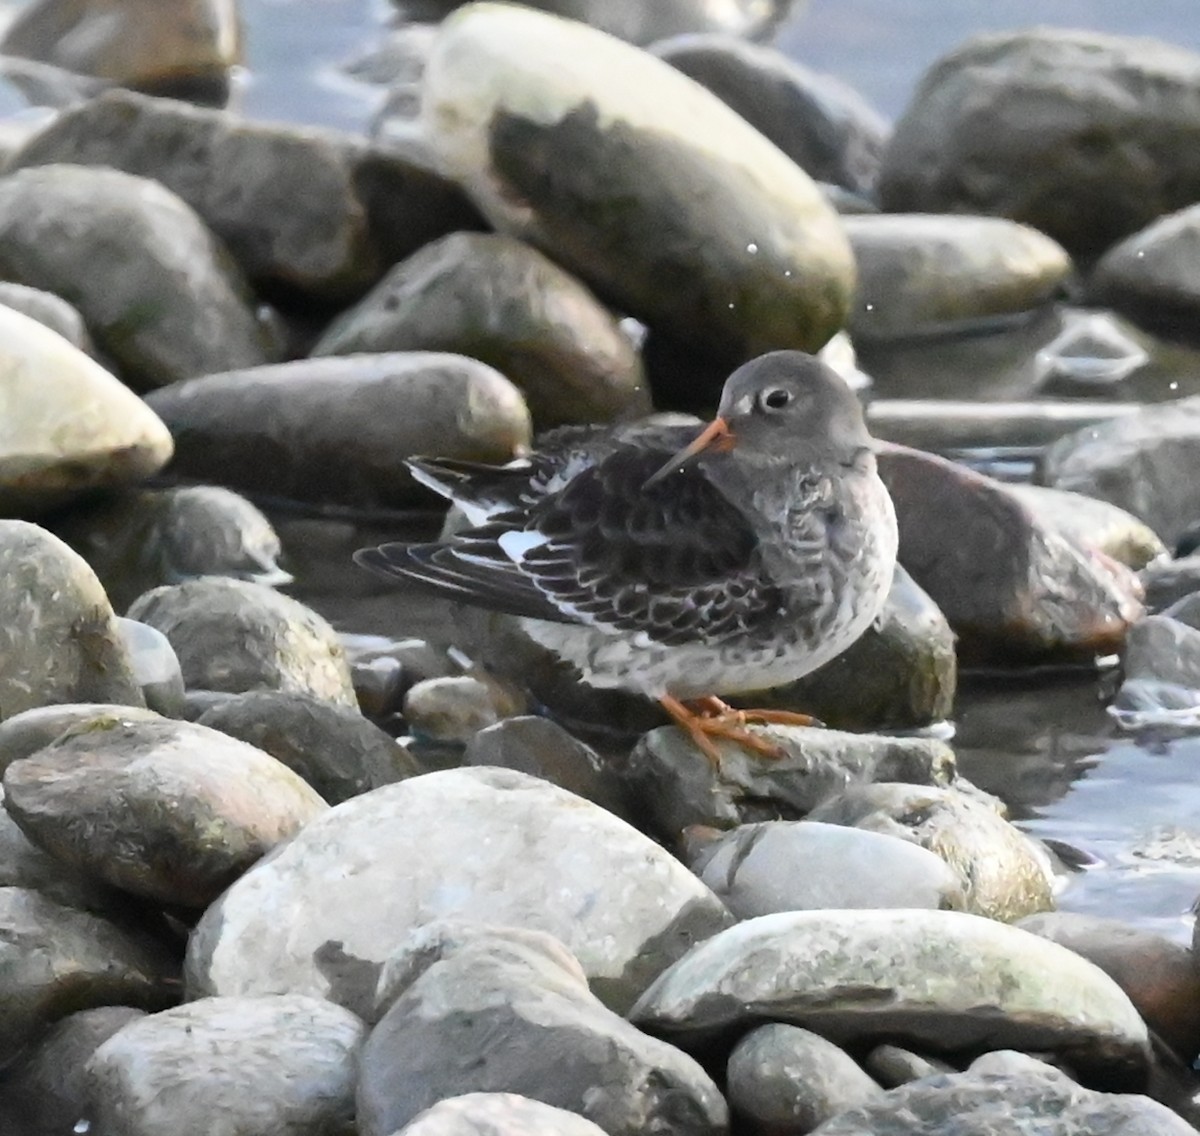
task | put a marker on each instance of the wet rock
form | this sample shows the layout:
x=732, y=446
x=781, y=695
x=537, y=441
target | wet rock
x=1103, y=161
x=1160, y=977
x=335, y=749
x=168, y=810
x=338, y=430
x=450, y=709
x=1161, y=667
x=496, y=299
x=488, y=844
x=1004, y=873
x=902, y=673
x=49, y=310
x=155, y=666
x=1146, y=463
x=821, y=123
x=68, y=426
x=675, y=785
x=57, y=960
x=454, y=988
x=45, y=1092
x=783, y=1081
x=1012, y=588
x=182, y=49
x=1006, y=1099
x=542, y=748
x=757, y=869
x=140, y=540
x=283, y=1063
x=172, y=306
x=497, y=1114
x=622, y=169
x=1094, y=353
x=59, y=639
x=1170, y=582
x=1093, y=524
x=945, y=980
x=235, y=636
x=922, y=274
x=361, y=210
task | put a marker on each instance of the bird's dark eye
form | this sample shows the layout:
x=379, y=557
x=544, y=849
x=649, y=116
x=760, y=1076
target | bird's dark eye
x=775, y=399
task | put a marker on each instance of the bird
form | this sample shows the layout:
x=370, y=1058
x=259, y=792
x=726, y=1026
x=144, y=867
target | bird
x=678, y=564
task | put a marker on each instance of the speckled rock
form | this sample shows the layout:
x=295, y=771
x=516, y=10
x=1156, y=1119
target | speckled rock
x=640, y=182
x=498, y=300
x=489, y=844
x=69, y=427
x=675, y=785
x=1004, y=874
x=928, y=274
x=59, y=639
x=338, y=430
x=140, y=540
x=57, y=960
x=172, y=306
x=454, y=987
x=497, y=1114
x=1103, y=161
x=168, y=810
x=854, y=976
x=235, y=636
x=362, y=208
x=27, y=732
x=186, y=47
x=334, y=748
x=284, y=1064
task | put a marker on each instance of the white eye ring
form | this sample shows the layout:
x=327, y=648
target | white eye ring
x=775, y=399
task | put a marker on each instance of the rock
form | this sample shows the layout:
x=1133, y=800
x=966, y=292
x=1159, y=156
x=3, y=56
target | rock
x=56, y=961
x=385, y=670
x=454, y=988
x=1010, y=586
x=496, y=299
x=1093, y=524
x=1160, y=977
x=940, y=979
x=49, y=310
x=59, y=639
x=757, y=869
x=675, y=785
x=282, y=1063
x=921, y=274
x=622, y=170
x=45, y=1092
x=168, y=810
x=236, y=636
x=821, y=123
x=1169, y=583
x=184, y=48
x=1151, y=276
x=490, y=844
x=1028, y=1097
x=902, y=673
x=362, y=208
x=338, y=430
x=140, y=540
x=1004, y=874
x=783, y=1081
x=1103, y=161
x=892, y=1065
x=452, y=709
x=155, y=666
x=25, y=733
x=69, y=426
x=1161, y=667
x=542, y=748
x=1143, y=462
x=497, y=1114
x=173, y=305
x=335, y=749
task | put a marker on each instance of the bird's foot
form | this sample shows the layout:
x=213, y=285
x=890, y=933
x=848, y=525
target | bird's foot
x=706, y=719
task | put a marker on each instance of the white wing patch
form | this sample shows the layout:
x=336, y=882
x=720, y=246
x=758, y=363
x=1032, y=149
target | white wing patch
x=519, y=543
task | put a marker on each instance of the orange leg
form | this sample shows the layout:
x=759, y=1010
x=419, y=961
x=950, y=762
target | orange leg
x=709, y=718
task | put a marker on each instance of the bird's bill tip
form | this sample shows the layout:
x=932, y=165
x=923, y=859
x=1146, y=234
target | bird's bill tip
x=716, y=437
